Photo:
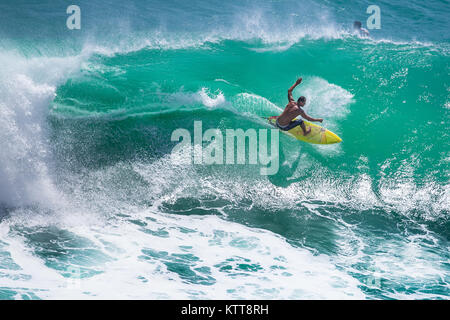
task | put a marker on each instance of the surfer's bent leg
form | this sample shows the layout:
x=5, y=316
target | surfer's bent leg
x=305, y=132
x=300, y=123
x=291, y=125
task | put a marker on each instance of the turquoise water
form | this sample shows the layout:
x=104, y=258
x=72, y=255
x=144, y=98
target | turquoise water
x=92, y=205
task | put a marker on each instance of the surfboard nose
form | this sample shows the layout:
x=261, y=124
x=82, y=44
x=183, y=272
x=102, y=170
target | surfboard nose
x=333, y=138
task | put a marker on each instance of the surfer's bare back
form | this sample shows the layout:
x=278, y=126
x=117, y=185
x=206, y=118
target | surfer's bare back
x=292, y=110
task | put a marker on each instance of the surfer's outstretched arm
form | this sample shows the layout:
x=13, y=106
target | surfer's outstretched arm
x=305, y=116
x=290, y=97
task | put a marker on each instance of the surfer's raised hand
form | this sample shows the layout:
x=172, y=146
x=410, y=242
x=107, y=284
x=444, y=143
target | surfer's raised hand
x=320, y=120
x=290, y=97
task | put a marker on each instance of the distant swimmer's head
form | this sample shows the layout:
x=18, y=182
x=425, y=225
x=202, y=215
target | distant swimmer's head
x=361, y=31
x=301, y=101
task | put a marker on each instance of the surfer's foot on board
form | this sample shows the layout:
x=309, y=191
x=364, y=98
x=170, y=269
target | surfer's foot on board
x=305, y=133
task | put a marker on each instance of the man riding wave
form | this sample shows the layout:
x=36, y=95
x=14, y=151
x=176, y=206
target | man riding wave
x=292, y=110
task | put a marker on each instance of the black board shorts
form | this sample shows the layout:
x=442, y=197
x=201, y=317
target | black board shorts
x=291, y=125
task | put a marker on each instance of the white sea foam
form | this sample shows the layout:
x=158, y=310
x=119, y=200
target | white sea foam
x=27, y=87
x=324, y=99
x=209, y=257
x=213, y=256
x=202, y=97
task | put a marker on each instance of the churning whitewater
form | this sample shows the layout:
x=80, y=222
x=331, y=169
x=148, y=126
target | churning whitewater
x=93, y=205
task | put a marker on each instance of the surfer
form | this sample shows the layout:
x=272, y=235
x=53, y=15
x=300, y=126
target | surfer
x=293, y=109
x=358, y=28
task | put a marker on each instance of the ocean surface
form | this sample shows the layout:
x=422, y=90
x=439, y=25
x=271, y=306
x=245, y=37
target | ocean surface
x=93, y=206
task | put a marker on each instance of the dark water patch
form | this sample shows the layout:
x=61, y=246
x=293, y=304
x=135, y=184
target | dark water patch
x=299, y=226
x=238, y=266
x=17, y=293
x=160, y=232
x=184, y=265
x=96, y=142
x=64, y=251
x=193, y=206
x=4, y=211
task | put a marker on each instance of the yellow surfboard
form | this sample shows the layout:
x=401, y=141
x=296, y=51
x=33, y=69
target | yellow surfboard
x=318, y=134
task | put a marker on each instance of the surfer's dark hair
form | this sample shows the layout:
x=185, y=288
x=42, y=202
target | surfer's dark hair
x=301, y=99
x=357, y=24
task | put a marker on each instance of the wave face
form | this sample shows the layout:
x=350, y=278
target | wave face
x=92, y=204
